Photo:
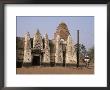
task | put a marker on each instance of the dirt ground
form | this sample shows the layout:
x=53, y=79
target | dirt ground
x=55, y=70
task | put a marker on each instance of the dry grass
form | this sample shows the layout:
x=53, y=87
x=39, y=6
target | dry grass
x=55, y=70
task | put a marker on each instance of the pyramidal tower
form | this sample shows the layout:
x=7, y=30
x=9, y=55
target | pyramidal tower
x=37, y=41
x=70, y=51
x=62, y=31
x=58, y=52
x=46, y=50
x=27, y=48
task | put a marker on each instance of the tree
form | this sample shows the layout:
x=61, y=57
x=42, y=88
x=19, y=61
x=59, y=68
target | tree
x=82, y=51
x=90, y=53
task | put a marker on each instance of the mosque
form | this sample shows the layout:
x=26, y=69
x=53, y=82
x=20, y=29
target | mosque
x=38, y=51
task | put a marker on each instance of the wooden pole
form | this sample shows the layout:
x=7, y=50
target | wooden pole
x=77, y=48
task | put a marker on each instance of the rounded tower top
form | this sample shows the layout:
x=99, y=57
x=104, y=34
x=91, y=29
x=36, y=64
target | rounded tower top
x=62, y=30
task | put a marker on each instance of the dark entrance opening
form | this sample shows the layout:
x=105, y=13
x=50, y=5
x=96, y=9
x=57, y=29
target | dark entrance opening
x=52, y=61
x=64, y=55
x=18, y=64
x=36, y=61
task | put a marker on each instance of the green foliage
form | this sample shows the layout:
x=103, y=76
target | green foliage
x=82, y=51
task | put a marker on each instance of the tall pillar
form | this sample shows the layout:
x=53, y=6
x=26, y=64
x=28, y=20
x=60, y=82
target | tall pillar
x=58, y=53
x=70, y=52
x=27, y=49
x=46, y=50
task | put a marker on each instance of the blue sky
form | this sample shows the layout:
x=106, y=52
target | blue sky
x=49, y=24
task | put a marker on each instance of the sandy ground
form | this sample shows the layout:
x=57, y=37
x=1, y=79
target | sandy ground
x=55, y=70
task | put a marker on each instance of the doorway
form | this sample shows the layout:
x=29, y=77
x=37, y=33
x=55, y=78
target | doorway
x=36, y=61
x=64, y=55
